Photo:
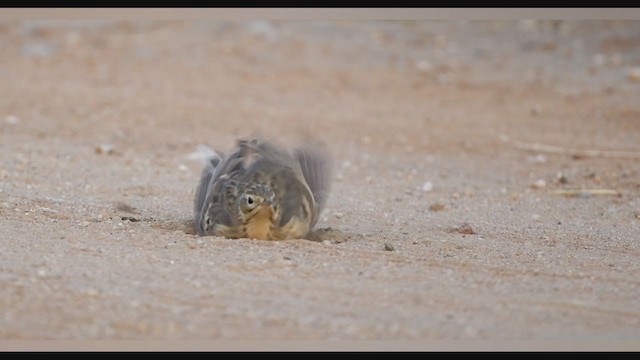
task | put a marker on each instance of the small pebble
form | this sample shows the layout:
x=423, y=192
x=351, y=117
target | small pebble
x=634, y=74
x=423, y=66
x=12, y=119
x=561, y=178
x=436, y=207
x=538, y=159
x=388, y=247
x=427, y=186
x=538, y=184
x=464, y=228
x=105, y=149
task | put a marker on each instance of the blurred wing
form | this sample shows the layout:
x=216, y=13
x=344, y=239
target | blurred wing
x=211, y=160
x=208, y=155
x=316, y=169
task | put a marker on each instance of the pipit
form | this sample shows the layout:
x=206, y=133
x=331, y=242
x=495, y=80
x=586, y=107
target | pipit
x=262, y=191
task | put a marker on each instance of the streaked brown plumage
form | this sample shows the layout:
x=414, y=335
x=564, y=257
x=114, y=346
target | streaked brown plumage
x=262, y=191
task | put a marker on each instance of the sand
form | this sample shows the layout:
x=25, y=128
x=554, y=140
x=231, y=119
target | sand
x=448, y=140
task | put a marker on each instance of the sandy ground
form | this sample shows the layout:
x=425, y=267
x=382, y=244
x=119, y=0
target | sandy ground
x=443, y=220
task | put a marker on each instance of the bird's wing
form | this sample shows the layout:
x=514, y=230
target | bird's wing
x=211, y=159
x=311, y=173
x=316, y=168
x=202, y=189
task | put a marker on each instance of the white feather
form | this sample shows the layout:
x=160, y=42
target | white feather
x=204, y=153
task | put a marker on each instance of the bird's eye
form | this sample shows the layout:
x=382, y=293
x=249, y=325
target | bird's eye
x=250, y=200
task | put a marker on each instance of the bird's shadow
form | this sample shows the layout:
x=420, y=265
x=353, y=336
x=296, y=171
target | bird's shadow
x=318, y=235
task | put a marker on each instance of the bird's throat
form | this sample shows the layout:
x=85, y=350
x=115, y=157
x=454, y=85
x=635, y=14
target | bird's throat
x=259, y=225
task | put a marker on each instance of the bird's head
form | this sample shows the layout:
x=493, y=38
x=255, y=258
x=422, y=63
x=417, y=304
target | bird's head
x=257, y=199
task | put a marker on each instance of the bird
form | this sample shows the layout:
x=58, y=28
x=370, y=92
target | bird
x=262, y=191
